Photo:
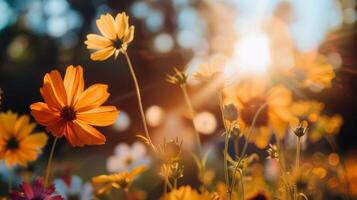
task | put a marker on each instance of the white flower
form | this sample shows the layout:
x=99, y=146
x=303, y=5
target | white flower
x=127, y=157
x=73, y=188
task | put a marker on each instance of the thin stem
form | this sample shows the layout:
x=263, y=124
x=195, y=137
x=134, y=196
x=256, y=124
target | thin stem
x=245, y=145
x=192, y=113
x=236, y=146
x=138, y=96
x=281, y=155
x=49, y=164
x=226, y=142
x=297, y=158
x=175, y=183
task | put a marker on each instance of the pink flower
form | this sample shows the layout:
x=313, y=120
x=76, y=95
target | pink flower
x=37, y=191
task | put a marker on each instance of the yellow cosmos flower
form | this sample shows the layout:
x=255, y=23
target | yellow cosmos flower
x=211, y=69
x=116, y=36
x=313, y=72
x=121, y=180
x=17, y=145
x=186, y=193
x=307, y=110
x=273, y=104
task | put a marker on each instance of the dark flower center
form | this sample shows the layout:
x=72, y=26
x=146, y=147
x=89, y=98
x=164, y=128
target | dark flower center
x=117, y=43
x=129, y=161
x=249, y=110
x=68, y=113
x=12, y=143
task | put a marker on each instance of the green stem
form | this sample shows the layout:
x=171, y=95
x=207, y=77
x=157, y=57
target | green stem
x=138, y=96
x=245, y=146
x=192, y=113
x=49, y=164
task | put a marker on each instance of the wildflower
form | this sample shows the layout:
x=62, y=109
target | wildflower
x=127, y=157
x=72, y=187
x=70, y=110
x=301, y=129
x=37, y=191
x=312, y=71
x=273, y=105
x=179, y=78
x=17, y=145
x=116, y=36
x=173, y=170
x=170, y=150
x=120, y=180
x=187, y=193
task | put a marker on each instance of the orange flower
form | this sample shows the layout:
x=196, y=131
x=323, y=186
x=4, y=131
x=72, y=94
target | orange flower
x=70, y=110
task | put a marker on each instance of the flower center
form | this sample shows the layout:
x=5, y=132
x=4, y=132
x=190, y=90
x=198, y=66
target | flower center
x=251, y=108
x=129, y=161
x=117, y=43
x=12, y=143
x=259, y=197
x=68, y=113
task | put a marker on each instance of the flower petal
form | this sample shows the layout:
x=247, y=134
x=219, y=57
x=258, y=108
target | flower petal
x=43, y=115
x=92, y=97
x=86, y=134
x=37, y=140
x=53, y=85
x=129, y=35
x=107, y=26
x=95, y=41
x=100, y=116
x=102, y=54
x=73, y=83
x=122, y=22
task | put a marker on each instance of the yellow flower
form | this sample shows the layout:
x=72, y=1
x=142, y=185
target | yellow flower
x=273, y=104
x=17, y=145
x=211, y=69
x=325, y=125
x=307, y=110
x=116, y=36
x=313, y=72
x=120, y=180
x=187, y=193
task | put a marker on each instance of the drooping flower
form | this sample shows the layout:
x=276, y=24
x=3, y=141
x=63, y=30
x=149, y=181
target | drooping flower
x=122, y=180
x=127, y=157
x=72, y=187
x=187, y=193
x=17, y=145
x=116, y=36
x=70, y=111
x=273, y=105
x=35, y=192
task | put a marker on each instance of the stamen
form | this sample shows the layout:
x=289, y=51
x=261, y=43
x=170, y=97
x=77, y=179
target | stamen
x=68, y=113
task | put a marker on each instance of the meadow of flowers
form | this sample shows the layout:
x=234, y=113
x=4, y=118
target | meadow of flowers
x=258, y=153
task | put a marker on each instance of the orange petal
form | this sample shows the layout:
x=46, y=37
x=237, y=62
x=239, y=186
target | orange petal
x=86, y=134
x=100, y=116
x=43, y=115
x=57, y=129
x=92, y=97
x=54, y=84
x=95, y=41
x=102, y=54
x=107, y=26
x=73, y=83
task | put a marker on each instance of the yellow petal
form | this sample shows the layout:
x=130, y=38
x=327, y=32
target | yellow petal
x=129, y=35
x=122, y=22
x=107, y=26
x=37, y=140
x=102, y=54
x=97, y=42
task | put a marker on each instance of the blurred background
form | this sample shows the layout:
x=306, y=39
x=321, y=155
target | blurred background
x=37, y=36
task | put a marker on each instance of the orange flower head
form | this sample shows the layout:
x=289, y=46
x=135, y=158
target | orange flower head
x=70, y=110
x=116, y=36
